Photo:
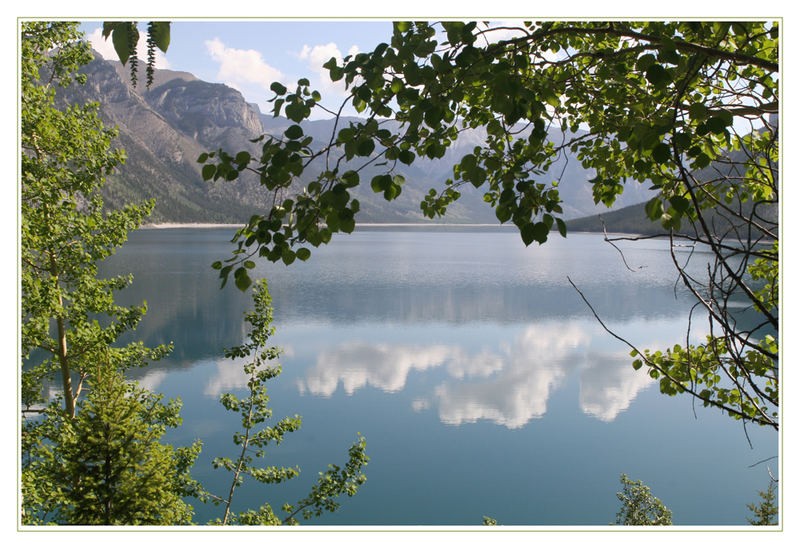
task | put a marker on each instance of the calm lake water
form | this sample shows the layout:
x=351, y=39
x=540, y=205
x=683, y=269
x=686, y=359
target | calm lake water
x=480, y=379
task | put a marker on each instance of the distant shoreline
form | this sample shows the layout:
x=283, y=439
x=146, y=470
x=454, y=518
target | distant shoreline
x=167, y=225
x=207, y=225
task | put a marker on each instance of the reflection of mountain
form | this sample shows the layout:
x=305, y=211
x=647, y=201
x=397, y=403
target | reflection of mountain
x=373, y=278
x=509, y=388
x=185, y=305
x=338, y=303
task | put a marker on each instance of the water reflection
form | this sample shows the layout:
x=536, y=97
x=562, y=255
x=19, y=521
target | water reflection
x=384, y=366
x=510, y=386
x=229, y=375
x=609, y=385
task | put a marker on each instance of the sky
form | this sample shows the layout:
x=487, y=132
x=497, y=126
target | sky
x=250, y=55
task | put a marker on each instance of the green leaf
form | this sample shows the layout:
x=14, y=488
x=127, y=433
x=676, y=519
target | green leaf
x=242, y=158
x=123, y=35
x=717, y=124
x=365, y=147
x=701, y=161
x=278, y=88
x=654, y=208
x=658, y=75
x=502, y=213
x=682, y=140
x=406, y=156
x=680, y=203
x=562, y=227
x=209, y=171
x=528, y=233
x=288, y=256
x=303, y=253
x=662, y=153
x=242, y=279
x=159, y=33
x=380, y=183
x=294, y=132
x=645, y=61
x=697, y=111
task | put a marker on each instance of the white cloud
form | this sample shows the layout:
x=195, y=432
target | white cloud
x=106, y=48
x=152, y=379
x=239, y=67
x=483, y=364
x=536, y=364
x=317, y=56
x=384, y=366
x=609, y=385
x=510, y=387
x=230, y=375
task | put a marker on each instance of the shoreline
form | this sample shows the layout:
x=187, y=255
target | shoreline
x=167, y=225
x=209, y=225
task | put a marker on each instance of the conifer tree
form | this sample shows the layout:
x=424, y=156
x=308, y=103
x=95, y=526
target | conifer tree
x=107, y=465
x=766, y=512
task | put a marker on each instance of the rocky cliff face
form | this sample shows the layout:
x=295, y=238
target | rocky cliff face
x=207, y=113
x=164, y=130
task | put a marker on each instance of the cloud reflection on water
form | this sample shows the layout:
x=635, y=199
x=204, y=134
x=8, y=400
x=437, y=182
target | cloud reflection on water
x=384, y=366
x=509, y=387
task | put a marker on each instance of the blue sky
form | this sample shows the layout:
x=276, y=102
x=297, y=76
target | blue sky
x=250, y=55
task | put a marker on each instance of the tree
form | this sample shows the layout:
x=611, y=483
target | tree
x=639, y=506
x=107, y=465
x=688, y=107
x=69, y=319
x=96, y=460
x=254, y=410
x=766, y=512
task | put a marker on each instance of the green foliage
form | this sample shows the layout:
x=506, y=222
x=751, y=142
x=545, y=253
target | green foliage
x=687, y=107
x=254, y=411
x=98, y=460
x=766, y=512
x=107, y=465
x=650, y=93
x=639, y=506
x=125, y=38
x=67, y=313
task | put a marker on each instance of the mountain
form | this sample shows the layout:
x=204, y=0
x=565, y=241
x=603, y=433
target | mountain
x=633, y=219
x=627, y=220
x=165, y=128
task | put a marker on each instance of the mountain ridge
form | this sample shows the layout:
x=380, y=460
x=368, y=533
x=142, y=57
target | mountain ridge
x=166, y=127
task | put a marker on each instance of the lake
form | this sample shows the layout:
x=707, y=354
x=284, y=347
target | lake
x=482, y=382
